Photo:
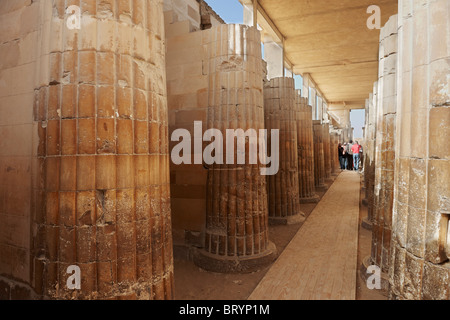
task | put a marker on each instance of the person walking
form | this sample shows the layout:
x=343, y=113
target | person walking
x=344, y=156
x=341, y=156
x=349, y=155
x=355, y=150
x=361, y=158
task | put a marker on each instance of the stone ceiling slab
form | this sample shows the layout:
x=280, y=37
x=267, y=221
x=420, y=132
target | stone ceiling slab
x=330, y=40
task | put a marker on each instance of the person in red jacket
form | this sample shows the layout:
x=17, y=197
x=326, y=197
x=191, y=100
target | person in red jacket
x=355, y=149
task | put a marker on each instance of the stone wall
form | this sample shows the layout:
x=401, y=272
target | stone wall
x=209, y=18
x=419, y=266
x=19, y=38
x=187, y=89
x=186, y=11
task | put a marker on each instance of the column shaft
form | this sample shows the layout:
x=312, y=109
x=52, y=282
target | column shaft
x=102, y=199
x=280, y=114
x=326, y=150
x=236, y=238
x=385, y=146
x=319, y=161
x=371, y=149
x=305, y=148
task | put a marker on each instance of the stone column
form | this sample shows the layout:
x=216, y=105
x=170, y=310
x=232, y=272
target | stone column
x=319, y=161
x=236, y=238
x=371, y=149
x=334, y=156
x=366, y=153
x=326, y=150
x=305, y=151
x=102, y=193
x=420, y=232
x=385, y=153
x=283, y=188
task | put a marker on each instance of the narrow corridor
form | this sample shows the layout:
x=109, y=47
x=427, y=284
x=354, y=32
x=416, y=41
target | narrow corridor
x=321, y=260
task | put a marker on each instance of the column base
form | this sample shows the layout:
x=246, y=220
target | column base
x=384, y=283
x=366, y=224
x=313, y=199
x=234, y=264
x=298, y=218
x=321, y=188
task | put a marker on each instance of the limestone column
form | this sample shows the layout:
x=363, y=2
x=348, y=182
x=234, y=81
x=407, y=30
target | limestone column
x=366, y=153
x=420, y=231
x=338, y=140
x=236, y=236
x=305, y=148
x=326, y=150
x=371, y=149
x=334, y=156
x=319, y=160
x=283, y=188
x=102, y=197
x=385, y=149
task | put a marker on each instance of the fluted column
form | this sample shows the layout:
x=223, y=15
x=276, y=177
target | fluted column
x=385, y=146
x=319, y=161
x=366, y=153
x=305, y=148
x=283, y=188
x=420, y=232
x=326, y=150
x=371, y=150
x=236, y=236
x=102, y=199
x=334, y=155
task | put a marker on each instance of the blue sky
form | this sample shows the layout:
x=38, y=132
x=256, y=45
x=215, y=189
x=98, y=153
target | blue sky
x=357, y=118
x=231, y=11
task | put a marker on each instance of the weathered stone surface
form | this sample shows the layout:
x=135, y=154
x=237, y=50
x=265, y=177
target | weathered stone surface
x=280, y=114
x=236, y=236
x=421, y=206
x=385, y=148
x=319, y=158
x=97, y=162
x=305, y=148
x=370, y=152
x=327, y=150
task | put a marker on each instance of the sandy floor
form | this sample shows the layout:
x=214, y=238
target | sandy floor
x=193, y=283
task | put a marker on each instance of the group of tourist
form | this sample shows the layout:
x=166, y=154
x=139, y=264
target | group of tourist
x=350, y=155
